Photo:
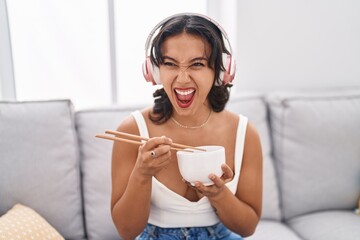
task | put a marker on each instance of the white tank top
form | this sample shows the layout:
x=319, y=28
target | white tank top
x=169, y=209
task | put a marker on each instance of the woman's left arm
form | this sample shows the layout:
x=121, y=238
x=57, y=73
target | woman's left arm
x=240, y=212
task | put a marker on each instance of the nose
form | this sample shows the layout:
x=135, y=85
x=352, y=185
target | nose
x=183, y=75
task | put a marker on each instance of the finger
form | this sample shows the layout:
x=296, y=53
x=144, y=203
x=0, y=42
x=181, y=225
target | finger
x=160, y=151
x=201, y=188
x=163, y=158
x=155, y=142
x=228, y=174
x=216, y=180
x=157, y=162
x=198, y=187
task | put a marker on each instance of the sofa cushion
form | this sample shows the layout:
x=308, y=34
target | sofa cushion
x=39, y=161
x=252, y=105
x=22, y=222
x=273, y=230
x=317, y=149
x=96, y=168
x=344, y=225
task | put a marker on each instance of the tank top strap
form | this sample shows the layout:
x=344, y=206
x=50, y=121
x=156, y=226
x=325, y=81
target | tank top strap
x=240, y=140
x=140, y=121
x=239, y=151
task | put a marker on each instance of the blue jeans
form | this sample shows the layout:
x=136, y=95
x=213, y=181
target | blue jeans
x=218, y=231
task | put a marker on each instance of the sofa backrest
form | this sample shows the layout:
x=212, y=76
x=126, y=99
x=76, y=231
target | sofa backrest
x=96, y=168
x=39, y=163
x=253, y=106
x=316, y=139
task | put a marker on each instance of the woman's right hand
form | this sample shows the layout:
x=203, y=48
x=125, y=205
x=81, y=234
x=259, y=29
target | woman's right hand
x=153, y=156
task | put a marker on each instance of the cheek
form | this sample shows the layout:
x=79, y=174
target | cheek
x=167, y=85
x=165, y=81
x=164, y=78
x=205, y=83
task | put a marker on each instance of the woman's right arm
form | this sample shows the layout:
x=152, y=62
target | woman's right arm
x=131, y=172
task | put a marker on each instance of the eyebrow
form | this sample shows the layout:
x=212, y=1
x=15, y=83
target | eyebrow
x=192, y=60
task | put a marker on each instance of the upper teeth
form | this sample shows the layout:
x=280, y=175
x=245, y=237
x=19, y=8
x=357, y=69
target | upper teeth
x=187, y=92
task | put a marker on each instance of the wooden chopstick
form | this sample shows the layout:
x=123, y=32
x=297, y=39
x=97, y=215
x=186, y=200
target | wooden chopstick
x=104, y=136
x=136, y=137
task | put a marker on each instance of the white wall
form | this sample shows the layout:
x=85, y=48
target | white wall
x=61, y=50
x=7, y=86
x=293, y=44
x=278, y=44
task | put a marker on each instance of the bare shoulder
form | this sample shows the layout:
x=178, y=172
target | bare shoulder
x=129, y=125
x=122, y=152
x=252, y=144
x=230, y=114
x=252, y=135
x=231, y=118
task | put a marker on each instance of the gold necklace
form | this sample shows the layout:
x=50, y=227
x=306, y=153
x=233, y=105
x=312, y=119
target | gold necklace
x=192, y=127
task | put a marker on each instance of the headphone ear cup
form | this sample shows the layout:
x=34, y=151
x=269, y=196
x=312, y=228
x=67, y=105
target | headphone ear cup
x=147, y=70
x=230, y=69
x=156, y=74
x=228, y=75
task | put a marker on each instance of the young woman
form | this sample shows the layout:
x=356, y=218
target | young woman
x=150, y=199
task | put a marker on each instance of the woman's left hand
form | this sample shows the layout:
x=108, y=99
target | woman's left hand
x=215, y=189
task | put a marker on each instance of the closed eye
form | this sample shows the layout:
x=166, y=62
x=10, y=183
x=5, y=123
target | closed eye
x=169, y=64
x=198, y=64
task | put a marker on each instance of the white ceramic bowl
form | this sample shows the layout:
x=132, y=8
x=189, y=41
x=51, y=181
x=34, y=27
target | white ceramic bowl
x=197, y=165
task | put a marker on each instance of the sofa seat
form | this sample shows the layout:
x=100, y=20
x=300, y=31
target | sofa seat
x=327, y=225
x=273, y=230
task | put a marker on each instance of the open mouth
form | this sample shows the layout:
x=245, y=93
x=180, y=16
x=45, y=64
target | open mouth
x=184, y=97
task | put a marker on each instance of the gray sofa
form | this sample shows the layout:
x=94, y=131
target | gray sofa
x=51, y=162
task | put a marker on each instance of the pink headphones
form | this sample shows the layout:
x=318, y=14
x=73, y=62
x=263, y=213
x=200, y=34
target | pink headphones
x=151, y=72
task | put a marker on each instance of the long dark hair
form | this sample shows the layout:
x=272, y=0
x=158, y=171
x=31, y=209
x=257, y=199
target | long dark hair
x=199, y=26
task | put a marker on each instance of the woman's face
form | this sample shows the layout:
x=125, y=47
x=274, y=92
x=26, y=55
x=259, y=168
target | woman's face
x=185, y=74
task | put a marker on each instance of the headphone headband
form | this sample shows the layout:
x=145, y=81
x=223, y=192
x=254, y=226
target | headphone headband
x=149, y=38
